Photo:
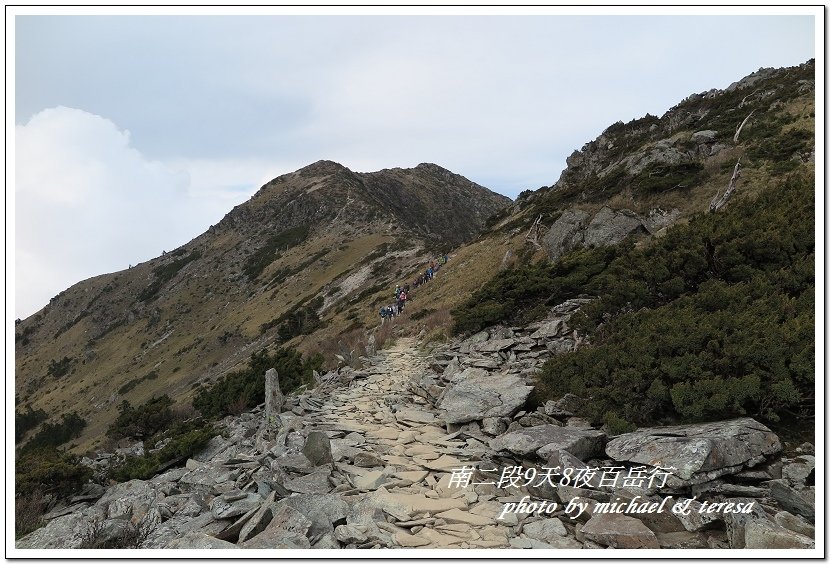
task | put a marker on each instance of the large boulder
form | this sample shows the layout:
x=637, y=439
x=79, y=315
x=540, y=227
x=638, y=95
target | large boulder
x=766, y=534
x=476, y=394
x=609, y=227
x=544, y=440
x=697, y=453
x=565, y=233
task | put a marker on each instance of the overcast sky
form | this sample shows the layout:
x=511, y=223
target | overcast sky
x=133, y=134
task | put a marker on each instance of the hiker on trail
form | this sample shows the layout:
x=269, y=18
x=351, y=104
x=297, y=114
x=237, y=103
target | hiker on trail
x=430, y=272
x=401, y=301
x=383, y=314
x=397, y=292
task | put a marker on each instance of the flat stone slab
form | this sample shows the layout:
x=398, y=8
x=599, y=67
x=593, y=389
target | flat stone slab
x=544, y=440
x=461, y=516
x=724, y=446
x=415, y=415
x=416, y=503
x=619, y=531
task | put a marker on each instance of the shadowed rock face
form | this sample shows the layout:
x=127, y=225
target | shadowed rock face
x=607, y=227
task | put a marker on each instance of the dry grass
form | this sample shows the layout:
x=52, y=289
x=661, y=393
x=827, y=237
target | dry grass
x=28, y=513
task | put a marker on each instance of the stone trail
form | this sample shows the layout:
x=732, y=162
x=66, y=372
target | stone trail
x=366, y=460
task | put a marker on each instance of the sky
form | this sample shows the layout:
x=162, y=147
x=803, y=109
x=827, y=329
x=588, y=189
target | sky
x=133, y=134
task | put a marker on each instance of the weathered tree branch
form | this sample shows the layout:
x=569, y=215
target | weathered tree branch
x=740, y=127
x=718, y=202
x=533, y=235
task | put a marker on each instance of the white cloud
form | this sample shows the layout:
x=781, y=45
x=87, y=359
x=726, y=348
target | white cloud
x=89, y=203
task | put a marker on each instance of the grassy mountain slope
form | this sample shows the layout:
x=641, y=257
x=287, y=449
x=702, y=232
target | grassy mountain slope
x=293, y=259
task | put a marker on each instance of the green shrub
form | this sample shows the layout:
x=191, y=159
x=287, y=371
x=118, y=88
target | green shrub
x=302, y=319
x=152, y=375
x=265, y=255
x=186, y=438
x=524, y=293
x=143, y=421
x=59, y=368
x=25, y=421
x=660, y=177
x=247, y=387
x=164, y=273
x=48, y=470
x=55, y=434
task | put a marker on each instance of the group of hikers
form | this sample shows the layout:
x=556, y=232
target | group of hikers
x=402, y=293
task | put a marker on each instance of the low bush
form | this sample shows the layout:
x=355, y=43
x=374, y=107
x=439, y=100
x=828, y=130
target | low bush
x=184, y=439
x=164, y=273
x=143, y=421
x=59, y=368
x=55, y=434
x=48, y=470
x=248, y=385
x=25, y=421
x=266, y=254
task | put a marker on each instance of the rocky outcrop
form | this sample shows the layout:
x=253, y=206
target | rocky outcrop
x=607, y=227
x=565, y=232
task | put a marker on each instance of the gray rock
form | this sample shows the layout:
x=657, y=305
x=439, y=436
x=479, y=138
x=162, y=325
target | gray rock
x=275, y=537
x=560, y=346
x=198, y=540
x=795, y=523
x=493, y=425
x=708, y=449
x=318, y=448
x=365, y=459
x=179, y=526
x=550, y=329
x=351, y=534
x=705, y=136
x=321, y=510
x=545, y=439
x=609, y=227
x=214, y=447
x=682, y=540
x=479, y=337
x=694, y=520
x=495, y=345
x=315, y=483
x=67, y=531
x=476, y=394
x=798, y=471
x=736, y=523
x=800, y=502
x=766, y=534
x=545, y=530
x=222, y=509
x=565, y=233
x=483, y=363
x=286, y=518
x=619, y=531
x=274, y=400
x=258, y=521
